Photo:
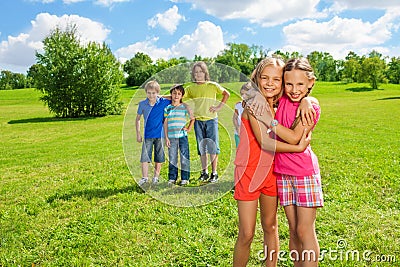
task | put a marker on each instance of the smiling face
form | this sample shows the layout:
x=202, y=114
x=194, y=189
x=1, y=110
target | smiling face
x=270, y=81
x=297, y=84
x=176, y=96
x=151, y=94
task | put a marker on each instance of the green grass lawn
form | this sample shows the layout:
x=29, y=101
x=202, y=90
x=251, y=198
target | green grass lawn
x=68, y=196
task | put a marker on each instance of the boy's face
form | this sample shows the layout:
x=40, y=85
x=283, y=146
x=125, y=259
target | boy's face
x=176, y=95
x=199, y=74
x=151, y=94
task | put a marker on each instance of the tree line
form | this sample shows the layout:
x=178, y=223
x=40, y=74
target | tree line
x=84, y=79
x=373, y=68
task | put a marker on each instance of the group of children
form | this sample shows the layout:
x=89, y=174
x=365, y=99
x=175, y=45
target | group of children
x=170, y=118
x=273, y=159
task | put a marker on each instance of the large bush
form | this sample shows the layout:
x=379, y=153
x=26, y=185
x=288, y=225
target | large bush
x=78, y=80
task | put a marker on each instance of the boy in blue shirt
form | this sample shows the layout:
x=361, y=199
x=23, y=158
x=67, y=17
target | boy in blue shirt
x=152, y=109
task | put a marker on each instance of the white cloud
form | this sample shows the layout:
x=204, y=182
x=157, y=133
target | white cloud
x=105, y=3
x=340, y=35
x=147, y=47
x=340, y=5
x=266, y=13
x=169, y=20
x=206, y=41
x=20, y=50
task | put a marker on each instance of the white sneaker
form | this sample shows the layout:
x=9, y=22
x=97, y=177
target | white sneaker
x=155, y=180
x=142, y=181
x=184, y=182
x=171, y=182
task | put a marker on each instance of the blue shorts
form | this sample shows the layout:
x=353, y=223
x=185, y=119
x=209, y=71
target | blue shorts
x=207, y=136
x=147, y=150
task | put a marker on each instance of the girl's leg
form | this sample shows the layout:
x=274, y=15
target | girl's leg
x=269, y=222
x=294, y=242
x=247, y=211
x=307, y=236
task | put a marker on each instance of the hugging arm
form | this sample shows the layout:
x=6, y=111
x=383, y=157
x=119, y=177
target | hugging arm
x=260, y=130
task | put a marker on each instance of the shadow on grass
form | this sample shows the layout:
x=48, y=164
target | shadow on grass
x=389, y=98
x=95, y=193
x=49, y=119
x=361, y=89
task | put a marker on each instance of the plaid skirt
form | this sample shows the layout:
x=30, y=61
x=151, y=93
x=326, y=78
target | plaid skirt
x=302, y=191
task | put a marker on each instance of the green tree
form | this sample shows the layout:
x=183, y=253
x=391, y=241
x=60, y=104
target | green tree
x=325, y=67
x=373, y=69
x=139, y=69
x=241, y=57
x=77, y=80
x=393, y=71
x=351, y=67
x=10, y=80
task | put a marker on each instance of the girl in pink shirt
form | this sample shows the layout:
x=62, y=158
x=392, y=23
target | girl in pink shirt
x=298, y=177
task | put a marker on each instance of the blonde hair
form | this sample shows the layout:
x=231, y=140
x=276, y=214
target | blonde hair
x=203, y=67
x=152, y=85
x=268, y=61
x=304, y=65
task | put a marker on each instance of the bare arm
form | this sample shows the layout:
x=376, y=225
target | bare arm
x=235, y=120
x=306, y=110
x=192, y=119
x=165, y=126
x=137, y=126
x=292, y=136
x=269, y=144
x=225, y=96
x=253, y=98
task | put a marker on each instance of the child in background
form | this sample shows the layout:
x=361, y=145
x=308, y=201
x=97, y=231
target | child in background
x=176, y=115
x=237, y=116
x=152, y=110
x=298, y=175
x=204, y=93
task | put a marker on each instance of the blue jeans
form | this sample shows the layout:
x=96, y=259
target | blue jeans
x=181, y=145
x=207, y=136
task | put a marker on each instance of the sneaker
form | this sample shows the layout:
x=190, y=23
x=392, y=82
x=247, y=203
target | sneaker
x=171, y=182
x=142, y=181
x=203, y=177
x=184, y=182
x=213, y=178
x=155, y=180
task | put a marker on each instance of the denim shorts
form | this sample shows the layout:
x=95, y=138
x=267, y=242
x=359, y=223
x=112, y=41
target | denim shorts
x=207, y=136
x=147, y=150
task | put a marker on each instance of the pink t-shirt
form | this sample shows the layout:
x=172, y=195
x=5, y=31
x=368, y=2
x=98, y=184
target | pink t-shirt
x=296, y=164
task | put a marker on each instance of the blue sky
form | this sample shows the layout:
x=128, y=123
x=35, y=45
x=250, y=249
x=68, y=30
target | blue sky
x=174, y=28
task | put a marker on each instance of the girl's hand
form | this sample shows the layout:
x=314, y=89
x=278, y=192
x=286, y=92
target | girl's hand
x=304, y=141
x=307, y=113
x=253, y=98
x=265, y=118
